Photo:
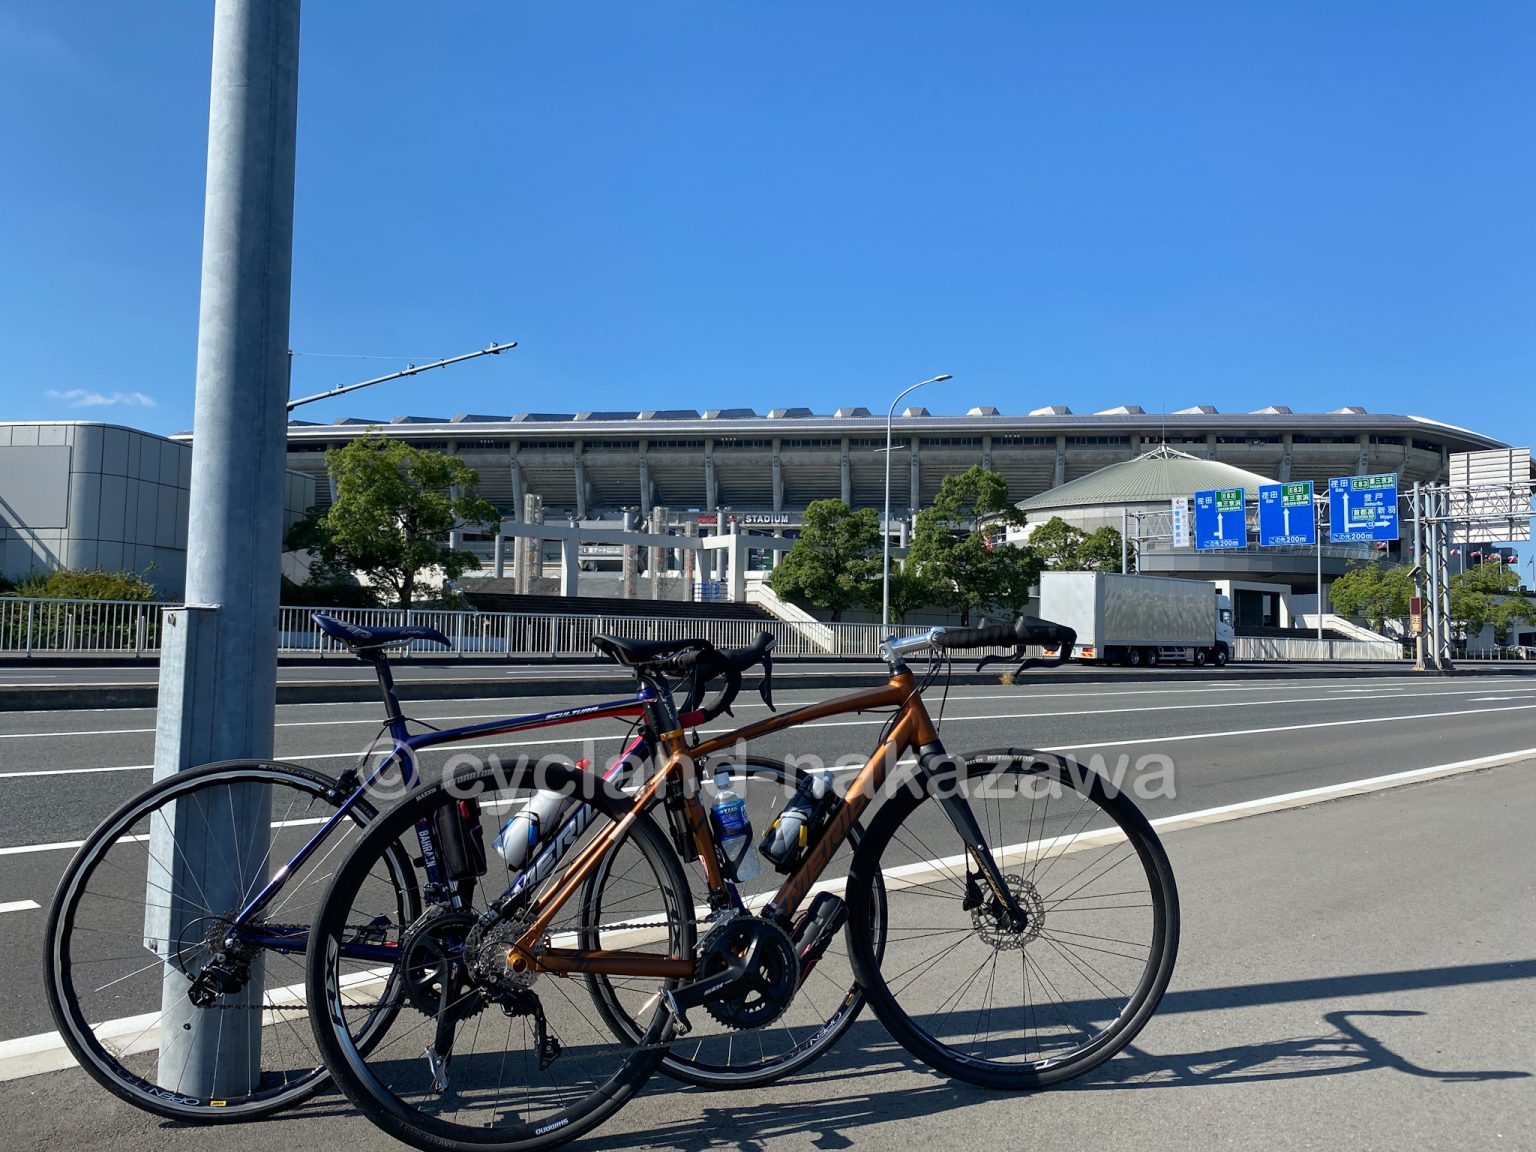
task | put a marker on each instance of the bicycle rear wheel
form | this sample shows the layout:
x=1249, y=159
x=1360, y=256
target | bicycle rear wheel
x=482, y=1055
x=981, y=998
x=714, y=1054
x=123, y=948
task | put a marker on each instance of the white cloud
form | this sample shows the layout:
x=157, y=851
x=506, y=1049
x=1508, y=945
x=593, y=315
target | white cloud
x=85, y=398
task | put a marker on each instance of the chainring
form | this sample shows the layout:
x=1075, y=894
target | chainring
x=771, y=979
x=432, y=951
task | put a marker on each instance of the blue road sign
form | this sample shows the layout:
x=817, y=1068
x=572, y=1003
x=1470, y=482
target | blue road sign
x=1287, y=514
x=1362, y=508
x=1219, y=519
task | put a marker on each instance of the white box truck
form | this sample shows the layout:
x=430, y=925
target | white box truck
x=1139, y=620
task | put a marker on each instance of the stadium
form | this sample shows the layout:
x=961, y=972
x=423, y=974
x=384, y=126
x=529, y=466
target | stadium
x=763, y=470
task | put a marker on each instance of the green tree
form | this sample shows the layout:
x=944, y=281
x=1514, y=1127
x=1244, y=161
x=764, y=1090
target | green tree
x=835, y=561
x=909, y=592
x=1373, y=590
x=1068, y=548
x=395, y=505
x=1489, y=594
x=957, y=546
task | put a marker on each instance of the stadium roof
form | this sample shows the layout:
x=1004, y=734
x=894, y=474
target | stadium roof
x=1157, y=475
x=980, y=419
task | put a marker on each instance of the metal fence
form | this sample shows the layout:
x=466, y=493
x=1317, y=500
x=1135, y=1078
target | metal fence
x=1268, y=648
x=126, y=628
x=123, y=628
x=89, y=627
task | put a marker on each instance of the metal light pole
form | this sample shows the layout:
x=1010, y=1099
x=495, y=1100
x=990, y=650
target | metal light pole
x=218, y=667
x=885, y=524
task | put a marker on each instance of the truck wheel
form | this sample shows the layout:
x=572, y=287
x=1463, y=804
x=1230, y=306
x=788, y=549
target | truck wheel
x=1221, y=656
x=1152, y=657
x=1133, y=657
x=1200, y=657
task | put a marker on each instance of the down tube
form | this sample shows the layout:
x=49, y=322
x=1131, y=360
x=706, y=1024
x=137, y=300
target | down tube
x=861, y=793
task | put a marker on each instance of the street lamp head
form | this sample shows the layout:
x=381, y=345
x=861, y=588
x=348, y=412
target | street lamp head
x=941, y=379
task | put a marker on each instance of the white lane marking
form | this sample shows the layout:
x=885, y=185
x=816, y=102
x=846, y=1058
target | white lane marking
x=473, y=746
x=45, y=1052
x=1282, y=728
x=19, y=905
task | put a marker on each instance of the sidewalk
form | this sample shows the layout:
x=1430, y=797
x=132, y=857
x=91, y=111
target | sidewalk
x=1354, y=974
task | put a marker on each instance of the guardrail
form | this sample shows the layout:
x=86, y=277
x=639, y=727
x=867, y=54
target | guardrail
x=89, y=627
x=1269, y=648
x=131, y=628
x=33, y=627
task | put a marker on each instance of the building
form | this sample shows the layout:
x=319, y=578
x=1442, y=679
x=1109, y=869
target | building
x=79, y=494
x=762, y=470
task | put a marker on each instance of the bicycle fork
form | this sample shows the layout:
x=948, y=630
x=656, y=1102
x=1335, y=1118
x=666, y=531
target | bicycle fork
x=932, y=762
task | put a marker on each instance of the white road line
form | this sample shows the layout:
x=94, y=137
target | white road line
x=19, y=905
x=1282, y=728
x=473, y=746
x=45, y=1052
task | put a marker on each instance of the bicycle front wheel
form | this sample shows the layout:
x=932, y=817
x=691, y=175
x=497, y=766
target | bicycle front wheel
x=962, y=984
x=147, y=905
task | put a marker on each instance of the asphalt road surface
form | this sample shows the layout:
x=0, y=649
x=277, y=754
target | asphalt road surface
x=1389, y=936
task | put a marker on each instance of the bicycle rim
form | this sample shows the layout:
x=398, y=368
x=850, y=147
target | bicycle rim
x=122, y=950
x=979, y=996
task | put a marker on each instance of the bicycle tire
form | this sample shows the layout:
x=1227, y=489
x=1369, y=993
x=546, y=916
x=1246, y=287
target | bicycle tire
x=77, y=1031
x=931, y=875
x=346, y=1058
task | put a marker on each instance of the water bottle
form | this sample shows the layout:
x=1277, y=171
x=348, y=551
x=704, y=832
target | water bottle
x=533, y=822
x=789, y=836
x=733, y=831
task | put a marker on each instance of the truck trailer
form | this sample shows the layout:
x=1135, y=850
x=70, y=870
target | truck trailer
x=1139, y=620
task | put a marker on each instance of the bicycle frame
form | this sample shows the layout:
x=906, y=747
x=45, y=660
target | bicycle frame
x=912, y=729
x=406, y=745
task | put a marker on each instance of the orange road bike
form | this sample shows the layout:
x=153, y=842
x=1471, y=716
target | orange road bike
x=1010, y=915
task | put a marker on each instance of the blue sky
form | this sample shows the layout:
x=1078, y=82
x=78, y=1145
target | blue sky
x=715, y=204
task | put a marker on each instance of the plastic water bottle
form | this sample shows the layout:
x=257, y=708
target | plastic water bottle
x=533, y=822
x=733, y=830
x=789, y=835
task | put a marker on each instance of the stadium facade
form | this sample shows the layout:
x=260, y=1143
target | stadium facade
x=762, y=470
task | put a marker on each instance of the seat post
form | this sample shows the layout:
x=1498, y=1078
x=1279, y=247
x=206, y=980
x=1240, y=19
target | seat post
x=380, y=662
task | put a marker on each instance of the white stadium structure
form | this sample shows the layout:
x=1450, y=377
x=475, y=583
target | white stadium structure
x=590, y=466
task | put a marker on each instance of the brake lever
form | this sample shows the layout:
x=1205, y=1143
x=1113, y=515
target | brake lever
x=765, y=689
x=996, y=659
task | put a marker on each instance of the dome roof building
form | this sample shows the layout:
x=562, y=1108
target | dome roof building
x=1145, y=484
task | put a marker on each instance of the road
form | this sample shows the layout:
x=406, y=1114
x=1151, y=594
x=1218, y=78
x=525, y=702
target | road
x=1287, y=916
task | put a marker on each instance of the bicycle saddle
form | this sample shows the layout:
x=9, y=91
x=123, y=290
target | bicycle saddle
x=358, y=637
x=633, y=652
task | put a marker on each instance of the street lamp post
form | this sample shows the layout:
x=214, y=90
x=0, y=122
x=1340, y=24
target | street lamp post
x=885, y=525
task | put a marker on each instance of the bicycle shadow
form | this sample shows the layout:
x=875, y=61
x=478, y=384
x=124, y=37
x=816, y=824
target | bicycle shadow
x=1348, y=1046
x=745, y=1121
